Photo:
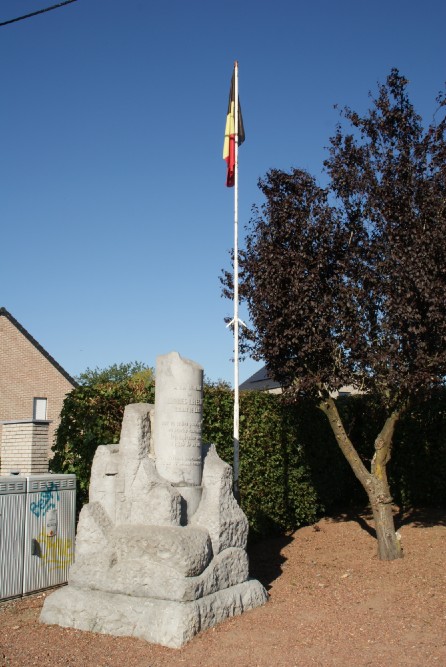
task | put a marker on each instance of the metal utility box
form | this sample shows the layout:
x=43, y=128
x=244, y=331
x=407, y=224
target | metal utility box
x=49, y=530
x=12, y=535
x=44, y=516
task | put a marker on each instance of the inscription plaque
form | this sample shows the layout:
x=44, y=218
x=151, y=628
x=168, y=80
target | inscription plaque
x=178, y=415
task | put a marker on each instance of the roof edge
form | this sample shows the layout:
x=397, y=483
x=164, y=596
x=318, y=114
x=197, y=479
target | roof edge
x=260, y=381
x=37, y=345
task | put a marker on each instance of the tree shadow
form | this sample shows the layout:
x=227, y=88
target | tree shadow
x=426, y=517
x=423, y=517
x=266, y=559
x=361, y=515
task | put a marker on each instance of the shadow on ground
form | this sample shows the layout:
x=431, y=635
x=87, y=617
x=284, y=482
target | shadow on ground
x=426, y=517
x=266, y=560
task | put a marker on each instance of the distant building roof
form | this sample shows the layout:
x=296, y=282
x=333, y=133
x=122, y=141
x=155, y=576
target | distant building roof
x=5, y=313
x=260, y=381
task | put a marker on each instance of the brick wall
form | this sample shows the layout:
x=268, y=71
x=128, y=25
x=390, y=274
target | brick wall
x=24, y=447
x=25, y=373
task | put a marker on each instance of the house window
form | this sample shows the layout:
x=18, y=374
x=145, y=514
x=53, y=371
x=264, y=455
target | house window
x=39, y=408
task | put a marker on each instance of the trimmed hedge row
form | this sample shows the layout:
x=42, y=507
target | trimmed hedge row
x=291, y=469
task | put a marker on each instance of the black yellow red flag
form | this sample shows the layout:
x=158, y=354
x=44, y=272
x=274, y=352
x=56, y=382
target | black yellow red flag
x=230, y=134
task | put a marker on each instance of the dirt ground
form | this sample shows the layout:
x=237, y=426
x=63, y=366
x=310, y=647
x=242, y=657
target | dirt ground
x=332, y=603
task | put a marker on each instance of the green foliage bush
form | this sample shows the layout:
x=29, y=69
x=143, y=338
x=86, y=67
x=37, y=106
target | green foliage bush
x=291, y=469
x=276, y=478
x=116, y=373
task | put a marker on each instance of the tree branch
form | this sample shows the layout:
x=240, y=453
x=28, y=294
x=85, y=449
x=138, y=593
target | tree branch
x=328, y=407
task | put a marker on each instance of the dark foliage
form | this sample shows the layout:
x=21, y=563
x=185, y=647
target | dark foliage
x=347, y=285
x=418, y=465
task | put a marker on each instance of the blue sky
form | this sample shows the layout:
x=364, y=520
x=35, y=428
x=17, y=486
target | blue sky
x=115, y=218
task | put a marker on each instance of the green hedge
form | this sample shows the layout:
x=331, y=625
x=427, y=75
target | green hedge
x=291, y=469
x=276, y=490
x=418, y=464
x=417, y=468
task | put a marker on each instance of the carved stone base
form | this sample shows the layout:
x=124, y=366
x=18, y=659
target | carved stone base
x=162, y=622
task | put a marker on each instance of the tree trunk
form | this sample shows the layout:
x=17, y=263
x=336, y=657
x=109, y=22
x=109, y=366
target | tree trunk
x=389, y=545
x=374, y=482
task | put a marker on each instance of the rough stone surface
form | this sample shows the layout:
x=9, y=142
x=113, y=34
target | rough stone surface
x=149, y=500
x=163, y=622
x=143, y=496
x=191, y=496
x=93, y=531
x=161, y=546
x=125, y=481
x=104, y=471
x=142, y=578
x=136, y=430
x=185, y=549
x=219, y=512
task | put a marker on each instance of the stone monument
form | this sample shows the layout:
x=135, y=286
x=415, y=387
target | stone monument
x=161, y=546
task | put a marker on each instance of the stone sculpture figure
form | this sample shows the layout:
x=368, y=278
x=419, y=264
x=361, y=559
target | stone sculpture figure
x=161, y=546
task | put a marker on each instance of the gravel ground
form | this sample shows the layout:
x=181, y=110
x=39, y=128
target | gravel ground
x=332, y=603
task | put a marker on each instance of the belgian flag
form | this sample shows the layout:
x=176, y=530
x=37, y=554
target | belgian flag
x=230, y=132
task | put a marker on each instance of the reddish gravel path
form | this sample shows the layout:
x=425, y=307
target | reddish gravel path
x=332, y=604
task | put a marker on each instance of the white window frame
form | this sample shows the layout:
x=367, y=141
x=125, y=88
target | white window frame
x=40, y=407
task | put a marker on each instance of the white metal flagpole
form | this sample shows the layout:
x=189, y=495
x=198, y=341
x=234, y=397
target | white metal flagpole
x=236, y=297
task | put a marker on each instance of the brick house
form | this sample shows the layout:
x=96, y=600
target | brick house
x=32, y=384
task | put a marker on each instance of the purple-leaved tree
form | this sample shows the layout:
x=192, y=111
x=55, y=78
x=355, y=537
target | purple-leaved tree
x=347, y=284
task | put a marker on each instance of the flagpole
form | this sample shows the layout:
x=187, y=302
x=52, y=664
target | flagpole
x=236, y=297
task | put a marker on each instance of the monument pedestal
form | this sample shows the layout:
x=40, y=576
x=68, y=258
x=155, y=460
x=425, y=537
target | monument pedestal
x=164, y=622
